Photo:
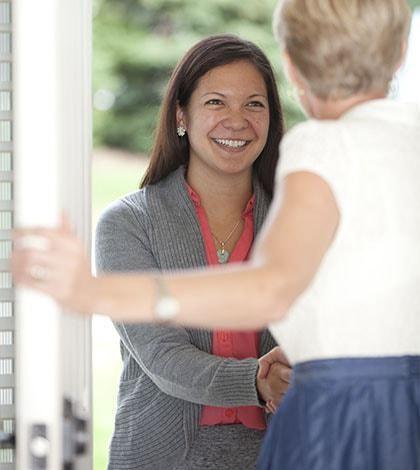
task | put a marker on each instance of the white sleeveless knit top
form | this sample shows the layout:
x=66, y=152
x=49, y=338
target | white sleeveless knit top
x=365, y=298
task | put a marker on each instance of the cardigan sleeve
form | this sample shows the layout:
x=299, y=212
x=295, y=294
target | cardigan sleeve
x=166, y=354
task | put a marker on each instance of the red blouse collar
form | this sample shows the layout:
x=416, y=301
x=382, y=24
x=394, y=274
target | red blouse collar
x=195, y=198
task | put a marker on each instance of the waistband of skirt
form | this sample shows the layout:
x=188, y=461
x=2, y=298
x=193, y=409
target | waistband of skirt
x=371, y=367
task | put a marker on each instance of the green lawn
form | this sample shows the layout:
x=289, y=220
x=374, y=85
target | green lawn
x=112, y=177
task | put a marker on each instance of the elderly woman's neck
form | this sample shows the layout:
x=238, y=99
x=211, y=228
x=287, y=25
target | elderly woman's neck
x=333, y=109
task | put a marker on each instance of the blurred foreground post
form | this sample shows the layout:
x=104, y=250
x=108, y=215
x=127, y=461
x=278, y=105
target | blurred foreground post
x=45, y=140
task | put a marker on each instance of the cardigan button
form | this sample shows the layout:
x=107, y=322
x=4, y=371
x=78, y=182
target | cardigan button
x=224, y=337
x=229, y=413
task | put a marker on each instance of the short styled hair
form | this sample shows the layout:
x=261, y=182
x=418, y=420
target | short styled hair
x=343, y=47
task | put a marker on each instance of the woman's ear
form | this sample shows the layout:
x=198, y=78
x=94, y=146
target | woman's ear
x=291, y=71
x=180, y=116
x=404, y=48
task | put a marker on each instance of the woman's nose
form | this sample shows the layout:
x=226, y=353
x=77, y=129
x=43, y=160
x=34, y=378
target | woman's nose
x=235, y=121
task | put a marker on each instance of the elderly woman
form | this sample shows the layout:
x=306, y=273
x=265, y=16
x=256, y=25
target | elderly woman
x=337, y=269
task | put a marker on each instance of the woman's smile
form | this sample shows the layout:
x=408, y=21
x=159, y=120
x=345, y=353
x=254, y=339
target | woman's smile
x=231, y=145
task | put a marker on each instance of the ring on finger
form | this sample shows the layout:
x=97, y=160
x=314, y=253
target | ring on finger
x=38, y=273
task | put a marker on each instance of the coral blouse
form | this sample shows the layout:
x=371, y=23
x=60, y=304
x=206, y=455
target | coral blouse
x=239, y=345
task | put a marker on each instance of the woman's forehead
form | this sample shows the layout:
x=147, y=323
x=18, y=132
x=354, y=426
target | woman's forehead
x=236, y=77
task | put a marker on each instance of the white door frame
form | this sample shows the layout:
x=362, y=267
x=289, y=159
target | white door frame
x=52, y=146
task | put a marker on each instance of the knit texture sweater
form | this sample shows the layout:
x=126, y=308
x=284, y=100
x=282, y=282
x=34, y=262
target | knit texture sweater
x=168, y=372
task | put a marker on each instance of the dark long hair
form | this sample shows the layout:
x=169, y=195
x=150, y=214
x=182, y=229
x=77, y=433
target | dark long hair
x=169, y=151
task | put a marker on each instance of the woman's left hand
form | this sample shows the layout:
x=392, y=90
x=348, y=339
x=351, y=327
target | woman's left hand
x=54, y=262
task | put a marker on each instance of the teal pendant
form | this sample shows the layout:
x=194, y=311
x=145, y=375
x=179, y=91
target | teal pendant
x=222, y=255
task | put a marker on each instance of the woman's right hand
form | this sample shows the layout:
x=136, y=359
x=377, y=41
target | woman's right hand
x=273, y=378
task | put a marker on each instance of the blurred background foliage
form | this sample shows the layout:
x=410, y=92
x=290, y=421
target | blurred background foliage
x=138, y=42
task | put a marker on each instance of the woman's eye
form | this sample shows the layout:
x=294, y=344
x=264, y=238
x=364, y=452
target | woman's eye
x=214, y=102
x=256, y=104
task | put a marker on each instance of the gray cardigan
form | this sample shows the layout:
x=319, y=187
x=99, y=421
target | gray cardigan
x=168, y=373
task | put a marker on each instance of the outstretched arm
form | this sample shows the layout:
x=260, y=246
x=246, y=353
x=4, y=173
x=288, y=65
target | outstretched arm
x=167, y=355
x=300, y=228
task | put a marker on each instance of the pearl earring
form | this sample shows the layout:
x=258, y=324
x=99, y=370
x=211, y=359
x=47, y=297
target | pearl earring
x=180, y=130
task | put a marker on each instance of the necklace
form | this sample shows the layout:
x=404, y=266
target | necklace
x=222, y=253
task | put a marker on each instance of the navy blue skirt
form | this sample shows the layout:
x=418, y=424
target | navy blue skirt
x=348, y=414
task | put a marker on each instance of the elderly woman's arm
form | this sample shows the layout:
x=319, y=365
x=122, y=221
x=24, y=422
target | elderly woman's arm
x=300, y=228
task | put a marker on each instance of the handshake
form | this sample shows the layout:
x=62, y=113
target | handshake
x=273, y=378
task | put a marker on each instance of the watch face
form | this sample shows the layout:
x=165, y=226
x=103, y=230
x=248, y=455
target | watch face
x=167, y=308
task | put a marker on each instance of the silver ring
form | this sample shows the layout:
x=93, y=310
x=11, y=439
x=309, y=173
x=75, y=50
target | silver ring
x=38, y=273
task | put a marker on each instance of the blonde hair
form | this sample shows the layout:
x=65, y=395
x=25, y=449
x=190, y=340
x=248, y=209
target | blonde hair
x=343, y=47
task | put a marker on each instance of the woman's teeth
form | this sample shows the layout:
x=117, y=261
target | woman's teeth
x=231, y=143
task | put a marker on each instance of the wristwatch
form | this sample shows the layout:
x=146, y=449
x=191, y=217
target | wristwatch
x=166, y=306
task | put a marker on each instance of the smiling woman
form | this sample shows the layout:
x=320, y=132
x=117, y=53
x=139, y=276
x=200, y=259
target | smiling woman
x=258, y=99
x=227, y=120
x=188, y=396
